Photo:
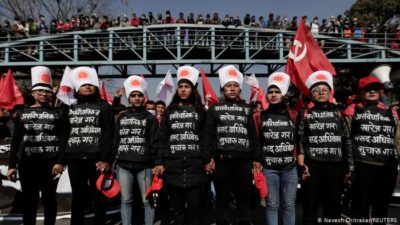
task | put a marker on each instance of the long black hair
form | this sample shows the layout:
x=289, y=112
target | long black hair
x=194, y=98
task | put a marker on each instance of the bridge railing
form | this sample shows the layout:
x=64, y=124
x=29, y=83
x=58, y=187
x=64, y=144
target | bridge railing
x=181, y=42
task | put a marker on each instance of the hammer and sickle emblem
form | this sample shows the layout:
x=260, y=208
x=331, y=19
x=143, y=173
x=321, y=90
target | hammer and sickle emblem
x=297, y=44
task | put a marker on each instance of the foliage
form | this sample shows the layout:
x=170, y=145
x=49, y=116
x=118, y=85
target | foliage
x=55, y=9
x=376, y=11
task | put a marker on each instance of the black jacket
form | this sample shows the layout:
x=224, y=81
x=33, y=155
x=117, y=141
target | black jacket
x=180, y=148
x=231, y=133
x=135, y=139
x=39, y=134
x=323, y=135
x=90, y=128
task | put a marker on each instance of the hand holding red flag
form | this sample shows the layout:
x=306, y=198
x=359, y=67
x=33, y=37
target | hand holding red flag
x=208, y=92
x=104, y=94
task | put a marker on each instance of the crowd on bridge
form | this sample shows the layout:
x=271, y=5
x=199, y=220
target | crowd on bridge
x=321, y=145
x=341, y=26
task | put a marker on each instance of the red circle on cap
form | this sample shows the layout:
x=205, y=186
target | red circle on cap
x=45, y=78
x=65, y=89
x=184, y=73
x=320, y=77
x=278, y=78
x=135, y=83
x=232, y=73
x=83, y=75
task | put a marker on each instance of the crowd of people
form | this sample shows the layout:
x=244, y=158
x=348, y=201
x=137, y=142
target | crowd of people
x=340, y=26
x=321, y=146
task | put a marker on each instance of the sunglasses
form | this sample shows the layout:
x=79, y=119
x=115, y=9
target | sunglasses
x=41, y=92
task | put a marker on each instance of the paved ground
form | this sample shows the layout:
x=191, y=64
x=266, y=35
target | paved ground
x=9, y=210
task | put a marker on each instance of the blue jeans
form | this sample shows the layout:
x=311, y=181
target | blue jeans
x=282, y=188
x=126, y=179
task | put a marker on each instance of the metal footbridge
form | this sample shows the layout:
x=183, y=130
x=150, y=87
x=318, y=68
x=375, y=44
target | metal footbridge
x=150, y=47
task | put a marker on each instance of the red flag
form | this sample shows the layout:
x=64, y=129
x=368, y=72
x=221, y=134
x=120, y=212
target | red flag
x=254, y=84
x=305, y=57
x=208, y=90
x=10, y=95
x=104, y=94
x=262, y=98
x=253, y=93
x=146, y=96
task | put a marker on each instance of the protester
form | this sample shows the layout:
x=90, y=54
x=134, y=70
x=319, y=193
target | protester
x=375, y=135
x=160, y=109
x=37, y=149
x=181, y=153
x=150, y=106
x=135, y=145
x=89, y=146
x=278, y=142
x=325, y=151
x=231, y=137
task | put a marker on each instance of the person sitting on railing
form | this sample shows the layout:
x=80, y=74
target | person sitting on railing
x=253, y=22
x=359, y=33
x=226, y=22
x=124, y=22
x=160, y=19
x=263, y=22
x=169, y=19
x=60, y=26
x=200, y=19
x=18, y=29
x=285, y=23
x=67, y=26
x=236, y=21
x=215, y=20
x=135, y=21
x=334, y=27
x=293, y=24
x=6, y=28
x=181, y=19
x=143, y=20
x=315, y=26
x=347, y=32
x=53, y=27
x=278, y=23
x=43, y=29
x=208, y=19
x=246, y=20
x=152, y=19
x=190, y=18
x=105, y=24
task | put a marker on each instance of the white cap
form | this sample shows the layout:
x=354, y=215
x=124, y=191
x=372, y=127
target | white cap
x=41, y=78
x=230, y=73
x=189, y=73
x=320, y=76
x=135, y=83
x=279, y=79
x=84, y=75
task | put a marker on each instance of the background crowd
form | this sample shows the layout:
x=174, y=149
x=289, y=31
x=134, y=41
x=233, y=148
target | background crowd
x=339, y=25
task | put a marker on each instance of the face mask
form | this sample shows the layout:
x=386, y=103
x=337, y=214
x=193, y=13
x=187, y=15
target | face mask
x=152, y=111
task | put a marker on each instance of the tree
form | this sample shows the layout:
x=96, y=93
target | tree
x=376, y=11
x=55, y=9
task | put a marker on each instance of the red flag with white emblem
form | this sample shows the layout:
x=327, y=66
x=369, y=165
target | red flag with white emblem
x=305, y=57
